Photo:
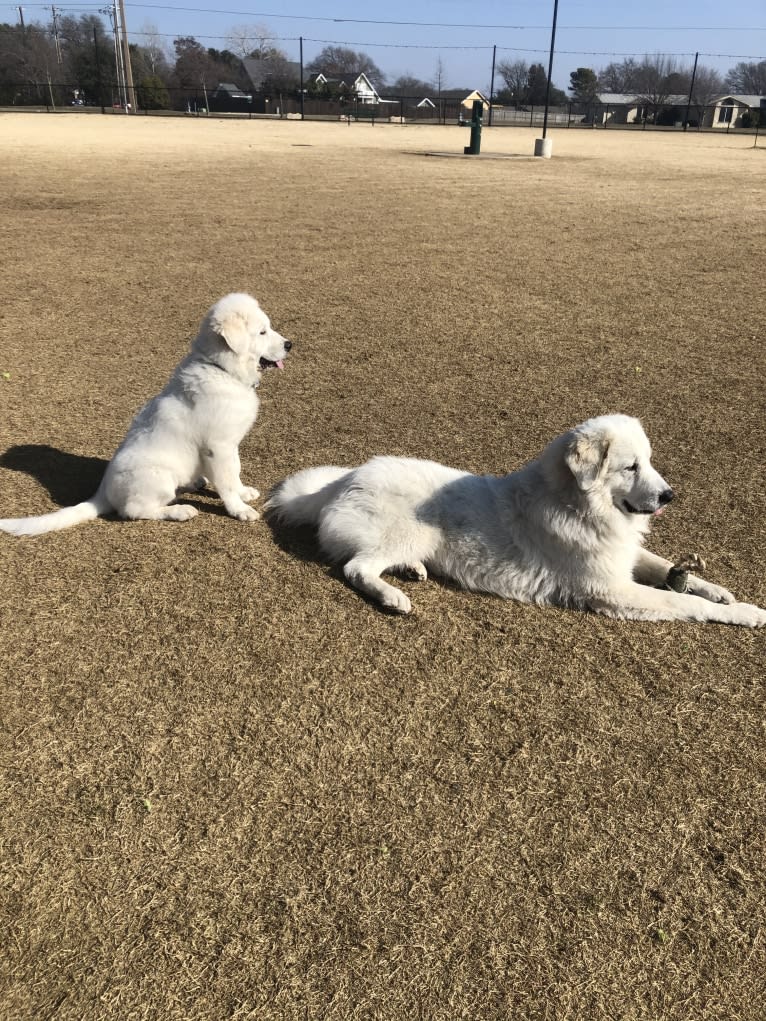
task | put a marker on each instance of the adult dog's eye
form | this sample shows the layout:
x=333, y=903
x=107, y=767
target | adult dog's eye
x=263, y=333
x=632, y=467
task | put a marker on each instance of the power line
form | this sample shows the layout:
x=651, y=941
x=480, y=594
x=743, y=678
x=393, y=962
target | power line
x=430, y=46
x=432, y=24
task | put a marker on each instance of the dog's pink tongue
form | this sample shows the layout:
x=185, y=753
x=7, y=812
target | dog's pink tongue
x=280, y=364
x=660, y=510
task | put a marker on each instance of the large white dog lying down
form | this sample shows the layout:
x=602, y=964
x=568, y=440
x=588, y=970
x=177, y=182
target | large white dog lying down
x=190, y=433
x=564, y=530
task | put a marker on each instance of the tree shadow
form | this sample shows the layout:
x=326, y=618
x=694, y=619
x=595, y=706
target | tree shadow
x=68, y=478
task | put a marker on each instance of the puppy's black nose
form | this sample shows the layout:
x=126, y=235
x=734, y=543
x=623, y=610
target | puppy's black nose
x=666, y=496
x=288, y=345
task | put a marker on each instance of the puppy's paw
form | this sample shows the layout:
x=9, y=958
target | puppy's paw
x=396, y=601
x=245, y=513
x=180, y=512
x=248, y=494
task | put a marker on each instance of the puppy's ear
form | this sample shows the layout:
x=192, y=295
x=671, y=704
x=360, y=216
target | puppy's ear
x=232, y=329
x=585, y=456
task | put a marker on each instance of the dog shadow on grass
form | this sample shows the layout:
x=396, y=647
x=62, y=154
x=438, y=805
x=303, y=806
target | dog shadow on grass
x=68, y=478
x=72, y=478
x=299, y=542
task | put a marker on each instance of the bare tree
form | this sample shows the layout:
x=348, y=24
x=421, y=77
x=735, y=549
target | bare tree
x=339, y=60
x=439, y=80
x=154, y=49
x=253, y=40
x=659, y=78
x=26, y=57
x=515, y=74
x=707, y=85
x=747, y=79
x=409, y=84
x=622, y=77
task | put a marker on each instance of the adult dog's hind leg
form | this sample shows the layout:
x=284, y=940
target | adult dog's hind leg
x=363, y=572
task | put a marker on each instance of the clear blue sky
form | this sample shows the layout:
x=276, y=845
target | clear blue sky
x=591, y=33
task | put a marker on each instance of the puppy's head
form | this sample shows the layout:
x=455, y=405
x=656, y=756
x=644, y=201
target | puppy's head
x=236, y=334
x=610, y=460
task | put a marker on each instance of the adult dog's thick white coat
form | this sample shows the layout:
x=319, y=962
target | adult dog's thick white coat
x=567, y=529
x=190, y=433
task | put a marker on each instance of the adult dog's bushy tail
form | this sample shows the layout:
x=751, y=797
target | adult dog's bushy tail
x=300, y=498
x=54, y=522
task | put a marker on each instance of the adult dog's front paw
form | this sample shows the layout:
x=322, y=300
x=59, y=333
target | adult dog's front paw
x=248, y=494
x=707, y=590
x=747, y=615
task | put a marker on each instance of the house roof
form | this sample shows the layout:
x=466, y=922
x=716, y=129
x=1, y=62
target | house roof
x=462, y=94
x=634, y=99
x=631, y=99
x=744, y=100
x=349, y=79
x=259, y=71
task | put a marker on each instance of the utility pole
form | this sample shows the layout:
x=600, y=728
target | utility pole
x=691, y=91
x=112, y=12
x=54, y=15
x=21, y=20
x=126, y=62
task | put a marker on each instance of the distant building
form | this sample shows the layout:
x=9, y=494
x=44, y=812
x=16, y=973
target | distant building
x=356, y=85
x=229, y=98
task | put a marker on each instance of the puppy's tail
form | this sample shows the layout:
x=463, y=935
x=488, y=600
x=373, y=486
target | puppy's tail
x=300, y=498
x=54, y=522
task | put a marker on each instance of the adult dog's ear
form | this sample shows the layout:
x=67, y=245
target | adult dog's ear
x=585, y=456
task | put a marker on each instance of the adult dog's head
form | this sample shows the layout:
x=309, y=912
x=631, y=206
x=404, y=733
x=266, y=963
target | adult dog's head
x=236, y=335
x=610, y=460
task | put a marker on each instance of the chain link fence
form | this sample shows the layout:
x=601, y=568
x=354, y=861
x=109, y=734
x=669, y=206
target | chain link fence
x=203, y=102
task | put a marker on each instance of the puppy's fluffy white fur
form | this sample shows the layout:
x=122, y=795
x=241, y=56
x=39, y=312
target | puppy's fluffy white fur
x=190, y=433
x=567, y=529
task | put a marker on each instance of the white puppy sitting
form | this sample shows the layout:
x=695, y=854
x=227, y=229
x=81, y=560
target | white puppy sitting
x=190, y=433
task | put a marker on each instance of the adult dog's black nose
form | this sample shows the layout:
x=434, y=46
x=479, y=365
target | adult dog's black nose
x=288, y=345
x=666, y=496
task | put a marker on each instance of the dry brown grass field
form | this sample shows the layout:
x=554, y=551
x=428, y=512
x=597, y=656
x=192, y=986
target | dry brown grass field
x=234, y=789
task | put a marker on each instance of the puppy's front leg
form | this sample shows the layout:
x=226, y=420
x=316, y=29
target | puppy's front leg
x=222, y=467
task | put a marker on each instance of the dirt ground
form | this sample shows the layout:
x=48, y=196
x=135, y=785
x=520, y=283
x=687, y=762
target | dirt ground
x=231, y=787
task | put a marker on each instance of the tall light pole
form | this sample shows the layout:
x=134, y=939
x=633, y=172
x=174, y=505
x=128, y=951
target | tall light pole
x=543, y=146
x=550, y=67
